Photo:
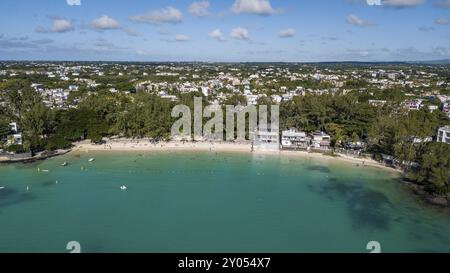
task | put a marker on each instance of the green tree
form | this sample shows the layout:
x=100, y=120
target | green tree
x=434, y=168
x=5, y=129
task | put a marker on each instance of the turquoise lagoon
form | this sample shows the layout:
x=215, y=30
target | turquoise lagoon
x=208, y=202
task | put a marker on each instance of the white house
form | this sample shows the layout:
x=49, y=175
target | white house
x=73, y=87
x=252, y=99
x=205, y=91
x=446, y=108
x=266, y=140
x=277, y=99
x=13, y=126
x=433, y=108
x=417, y=140
x=321, y=141
x=444, y=134
x=16, y=137
x=377, y=102
x=293, y=139
x=413, y=104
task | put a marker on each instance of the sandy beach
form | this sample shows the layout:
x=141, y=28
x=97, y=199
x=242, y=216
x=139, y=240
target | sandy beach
x=143, y=145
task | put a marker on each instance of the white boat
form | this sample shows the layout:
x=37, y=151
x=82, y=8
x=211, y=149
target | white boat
x=45, y=171
x=64, y=164
x=2, y=188
x=91, y=160
x=123, y=187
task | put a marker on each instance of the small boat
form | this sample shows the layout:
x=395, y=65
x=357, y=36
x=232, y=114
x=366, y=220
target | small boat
x=45, y=171
x=123, y=188
x=91, y=160
x=64, y=164
x=2, y=188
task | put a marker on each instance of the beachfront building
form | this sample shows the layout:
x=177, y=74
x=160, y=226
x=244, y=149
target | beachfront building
x=354, y=145
x=320, y=141
x=16, y=137
x=444, y=134
x=388, y=159
x=293, y=139
x=266, y=140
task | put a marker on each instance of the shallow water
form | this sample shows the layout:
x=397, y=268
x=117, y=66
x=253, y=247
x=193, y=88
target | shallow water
x=207, y=202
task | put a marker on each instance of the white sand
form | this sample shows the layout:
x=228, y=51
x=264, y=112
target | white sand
x=143, y=145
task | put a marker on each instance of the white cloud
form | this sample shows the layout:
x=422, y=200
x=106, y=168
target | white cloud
x=182, y=38
x=443, y=21
x=145, y=53
x=61, y=25
x=217, y=34
x=355, y=20
x=199, y=9
x=239, y=33
x=104, y=23
x=373, y=2
x=167, y=15
x=73, y=2
x=402, y=3
x=287, y=33
x=260, y=7
x=392, y=3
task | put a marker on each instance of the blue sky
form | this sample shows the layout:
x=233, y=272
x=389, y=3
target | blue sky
x=225, y=30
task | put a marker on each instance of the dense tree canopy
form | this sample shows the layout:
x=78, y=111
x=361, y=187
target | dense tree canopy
x=434, y=170
x=312, y=113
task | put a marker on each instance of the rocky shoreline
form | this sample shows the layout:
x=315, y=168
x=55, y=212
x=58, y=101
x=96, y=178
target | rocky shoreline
x=429, y=198
x=31, y=159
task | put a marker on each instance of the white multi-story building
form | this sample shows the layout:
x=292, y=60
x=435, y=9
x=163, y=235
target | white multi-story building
x=16, y=137
x=13, y=126
x=265, y=140
x=321, y=141
x=444, y=134
x=293, y=139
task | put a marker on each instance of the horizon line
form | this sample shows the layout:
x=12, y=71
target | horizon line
x=230, y=62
